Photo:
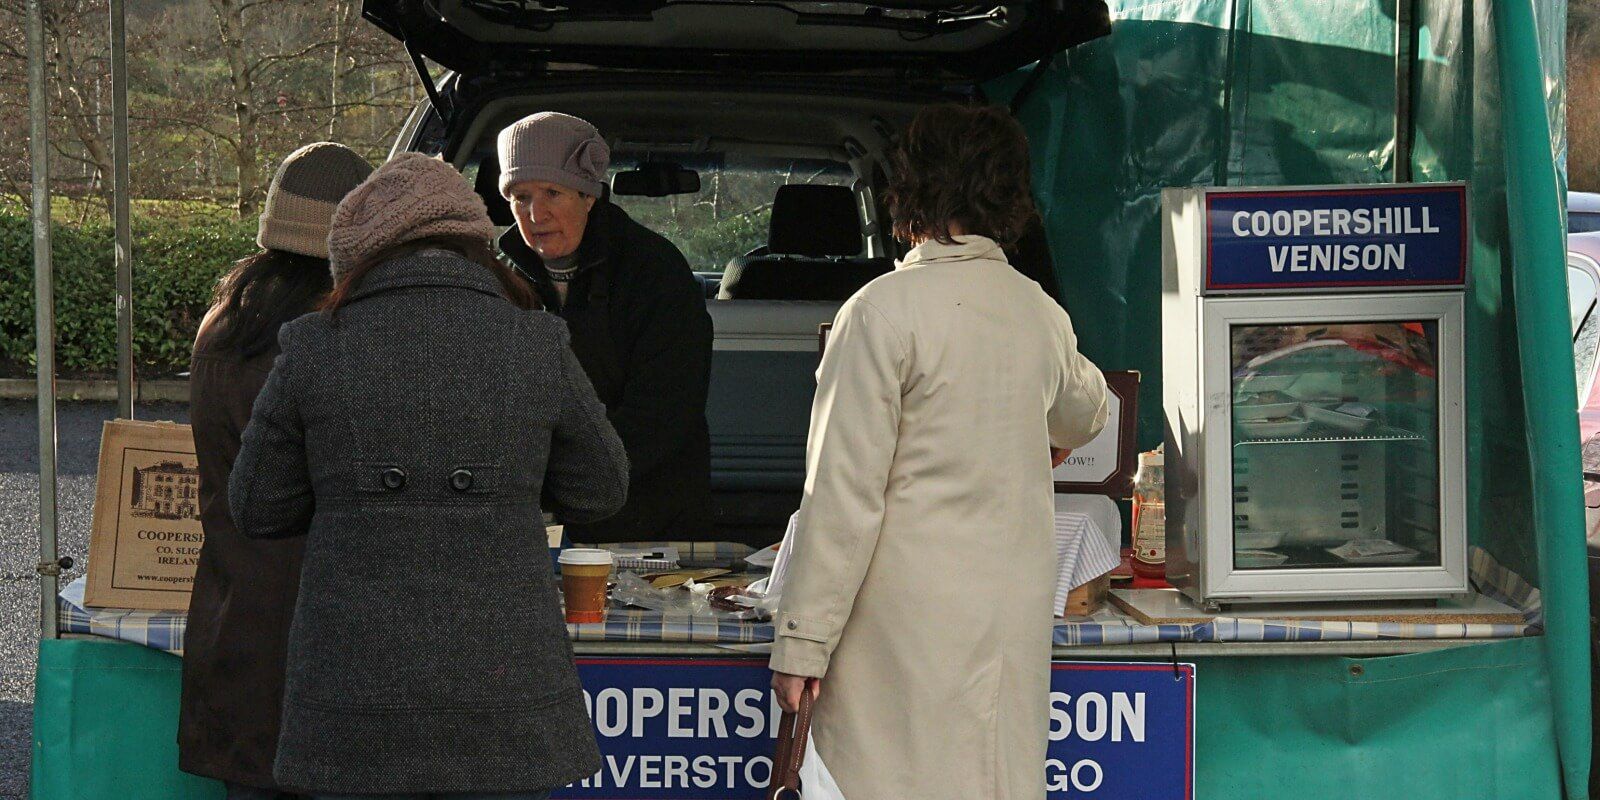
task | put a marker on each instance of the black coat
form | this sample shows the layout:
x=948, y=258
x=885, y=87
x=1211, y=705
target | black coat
x=244, y=590
x=411, y=437
x=640, y=328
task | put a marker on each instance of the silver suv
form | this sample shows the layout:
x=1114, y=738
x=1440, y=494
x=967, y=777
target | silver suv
x=753, y=135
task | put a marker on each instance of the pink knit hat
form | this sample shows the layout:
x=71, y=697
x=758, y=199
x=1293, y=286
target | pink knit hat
x=411, y=197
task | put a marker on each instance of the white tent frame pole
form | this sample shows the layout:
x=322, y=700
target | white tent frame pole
x=120, y=190
x=44, y=319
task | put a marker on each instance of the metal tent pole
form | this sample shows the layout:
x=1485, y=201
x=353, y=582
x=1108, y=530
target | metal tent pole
x=1405, y=33
x=119, y=205
x=44, y=318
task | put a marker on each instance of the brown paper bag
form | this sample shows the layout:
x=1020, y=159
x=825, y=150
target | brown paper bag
x=146, y=535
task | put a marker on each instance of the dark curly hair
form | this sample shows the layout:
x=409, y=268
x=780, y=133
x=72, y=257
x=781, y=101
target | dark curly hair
x=960, y=164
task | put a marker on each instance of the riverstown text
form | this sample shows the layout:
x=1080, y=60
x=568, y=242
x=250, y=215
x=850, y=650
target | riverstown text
x=682, y=713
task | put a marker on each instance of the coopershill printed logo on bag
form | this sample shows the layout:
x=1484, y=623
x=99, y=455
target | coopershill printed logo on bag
x=1392, y=236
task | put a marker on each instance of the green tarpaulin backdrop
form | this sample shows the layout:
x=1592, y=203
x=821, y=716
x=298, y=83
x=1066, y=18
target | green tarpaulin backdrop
x=1269, y=93
x=1227, y=92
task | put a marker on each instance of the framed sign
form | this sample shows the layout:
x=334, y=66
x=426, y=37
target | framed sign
x=1107, y=464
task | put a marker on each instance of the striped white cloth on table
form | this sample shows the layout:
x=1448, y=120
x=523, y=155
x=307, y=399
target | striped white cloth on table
x=1083, y=553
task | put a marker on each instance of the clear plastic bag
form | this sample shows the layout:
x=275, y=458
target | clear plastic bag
x=692, y=598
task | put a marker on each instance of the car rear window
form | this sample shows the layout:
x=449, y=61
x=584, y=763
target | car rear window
x=1583, y=222
x=730, y=214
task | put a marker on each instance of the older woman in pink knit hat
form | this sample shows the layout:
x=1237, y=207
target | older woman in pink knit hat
x=414, y=428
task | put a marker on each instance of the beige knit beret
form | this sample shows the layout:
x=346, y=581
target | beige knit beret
x=553, y=147
x=411, y=197
x=307, y=187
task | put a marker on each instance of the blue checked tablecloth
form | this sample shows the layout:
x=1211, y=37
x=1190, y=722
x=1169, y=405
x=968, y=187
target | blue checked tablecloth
x=163, y=630
x=639, y=625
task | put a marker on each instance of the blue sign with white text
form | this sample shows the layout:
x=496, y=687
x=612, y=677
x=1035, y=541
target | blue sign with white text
x=1120, y=731
x=706, y=728
x=1398, y=236
x=679, y=728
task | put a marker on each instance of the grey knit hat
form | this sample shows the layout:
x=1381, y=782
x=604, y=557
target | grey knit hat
x=412, y=197
x=309, y=185
x=553, y=147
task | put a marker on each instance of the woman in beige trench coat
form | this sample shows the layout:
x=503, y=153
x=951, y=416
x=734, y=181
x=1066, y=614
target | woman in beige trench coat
x=922, y=568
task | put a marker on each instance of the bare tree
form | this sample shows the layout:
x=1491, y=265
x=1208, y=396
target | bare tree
x=78, y=76
x=262, y=96
x=81, y=73
x=239, y=29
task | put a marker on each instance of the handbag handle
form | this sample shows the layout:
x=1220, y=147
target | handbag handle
x=793, y=729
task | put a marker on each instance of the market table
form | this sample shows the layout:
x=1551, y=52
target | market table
x=118, y=674
x=1108, y=633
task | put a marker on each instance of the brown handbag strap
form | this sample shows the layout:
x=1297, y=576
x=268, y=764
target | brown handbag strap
x=792, y=732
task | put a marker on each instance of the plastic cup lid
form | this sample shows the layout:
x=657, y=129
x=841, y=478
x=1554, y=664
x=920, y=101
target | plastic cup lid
x=583, y=556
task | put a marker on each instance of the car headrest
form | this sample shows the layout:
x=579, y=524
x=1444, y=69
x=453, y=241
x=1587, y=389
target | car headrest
x=487, y=185
x=815, y=221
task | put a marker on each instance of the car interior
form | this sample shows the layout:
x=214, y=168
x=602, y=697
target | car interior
x=811, y=170
x=824, y=236
x=753, y=135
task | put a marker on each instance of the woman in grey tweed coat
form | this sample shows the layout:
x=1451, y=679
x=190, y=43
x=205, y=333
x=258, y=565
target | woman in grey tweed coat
x=415, y=424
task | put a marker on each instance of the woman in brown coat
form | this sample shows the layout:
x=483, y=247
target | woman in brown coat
x=244, y=589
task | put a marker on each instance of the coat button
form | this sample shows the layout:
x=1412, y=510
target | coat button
x=792, y=625
x=461, y=480
x=394, y=478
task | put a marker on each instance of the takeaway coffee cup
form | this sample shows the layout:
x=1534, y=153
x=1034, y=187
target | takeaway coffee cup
x=584, y=573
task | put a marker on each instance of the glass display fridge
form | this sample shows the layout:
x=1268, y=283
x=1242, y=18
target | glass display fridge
x=1314, y=393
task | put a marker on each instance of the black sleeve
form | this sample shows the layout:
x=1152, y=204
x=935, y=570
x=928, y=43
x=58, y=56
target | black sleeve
x=668, y=371
x=586, y=478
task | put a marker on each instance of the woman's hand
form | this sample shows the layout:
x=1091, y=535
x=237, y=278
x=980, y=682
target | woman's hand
x=788, y=688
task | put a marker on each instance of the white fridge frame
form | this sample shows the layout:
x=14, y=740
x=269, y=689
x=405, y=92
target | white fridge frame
x=1203, y=565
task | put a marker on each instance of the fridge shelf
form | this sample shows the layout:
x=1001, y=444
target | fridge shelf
x=1379, y=435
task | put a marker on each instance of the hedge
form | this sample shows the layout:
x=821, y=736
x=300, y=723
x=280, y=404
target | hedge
x=177, y=262
x=176, y=265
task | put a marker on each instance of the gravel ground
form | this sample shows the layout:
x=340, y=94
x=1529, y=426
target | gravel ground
x=78, y=434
